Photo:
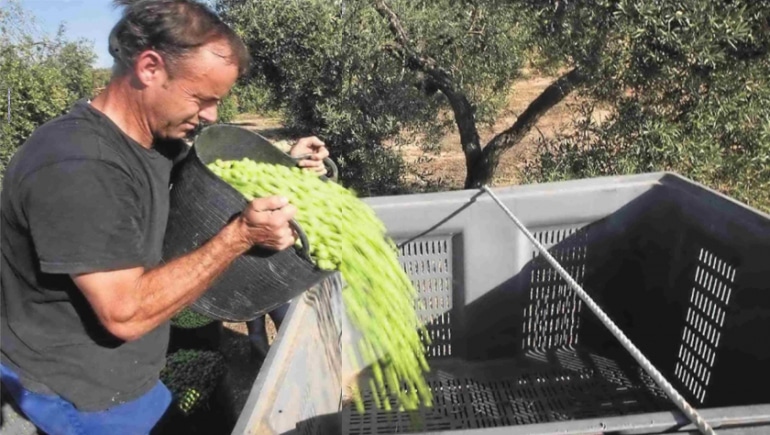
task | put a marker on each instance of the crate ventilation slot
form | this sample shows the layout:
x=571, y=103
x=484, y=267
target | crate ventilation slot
x=705, y=320
x=552, y=317
x=428, y=263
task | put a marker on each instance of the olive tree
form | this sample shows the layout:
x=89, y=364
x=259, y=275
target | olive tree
x=687, y=83
x=40, y=77
x=360, y=72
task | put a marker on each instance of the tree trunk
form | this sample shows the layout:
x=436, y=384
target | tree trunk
x=480, y=163
x=465, y=113
x=482, y=170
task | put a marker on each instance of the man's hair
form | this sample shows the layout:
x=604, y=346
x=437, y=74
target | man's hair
x=173, y=28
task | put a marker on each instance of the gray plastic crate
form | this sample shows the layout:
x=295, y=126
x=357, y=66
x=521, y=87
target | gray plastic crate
x=683, y=271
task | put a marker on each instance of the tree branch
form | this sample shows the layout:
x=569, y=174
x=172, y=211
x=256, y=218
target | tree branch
x=550, y=96
x=474, y=17
x=463, y=110
x=393, y=22
x=423, y=63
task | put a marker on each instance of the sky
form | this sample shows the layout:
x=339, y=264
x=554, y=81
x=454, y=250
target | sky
x=87, y=19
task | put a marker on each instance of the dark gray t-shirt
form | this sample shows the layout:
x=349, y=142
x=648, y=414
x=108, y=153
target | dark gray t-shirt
x=80, y=196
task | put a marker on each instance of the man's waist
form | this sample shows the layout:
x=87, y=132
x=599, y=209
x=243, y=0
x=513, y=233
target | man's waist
x=27, y=381
x=90, y=376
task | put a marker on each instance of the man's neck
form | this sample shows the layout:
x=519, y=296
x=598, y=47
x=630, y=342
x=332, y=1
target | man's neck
x=121, y=103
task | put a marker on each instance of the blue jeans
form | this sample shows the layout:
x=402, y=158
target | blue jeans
x=56, y=416
x=258, y=333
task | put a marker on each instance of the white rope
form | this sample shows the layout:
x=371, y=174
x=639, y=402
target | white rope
x=669, y=389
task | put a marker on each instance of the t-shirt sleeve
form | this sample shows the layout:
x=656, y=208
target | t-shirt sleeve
x=84, y=216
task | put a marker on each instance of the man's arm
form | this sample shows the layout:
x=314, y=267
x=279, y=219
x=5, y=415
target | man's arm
x=133, y=302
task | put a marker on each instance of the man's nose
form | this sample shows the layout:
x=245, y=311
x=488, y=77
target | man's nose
x=208, y=114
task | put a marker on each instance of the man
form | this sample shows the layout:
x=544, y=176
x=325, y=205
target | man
x=86, y=301
x=260, y=345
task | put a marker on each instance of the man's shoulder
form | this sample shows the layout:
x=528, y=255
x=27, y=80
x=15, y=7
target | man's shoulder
x=77, y=134
x=70, y=137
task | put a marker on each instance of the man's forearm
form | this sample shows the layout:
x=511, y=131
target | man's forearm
x=166, y=289
x=132, y=302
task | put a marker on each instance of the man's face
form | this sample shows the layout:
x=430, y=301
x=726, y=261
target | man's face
x=175, y=106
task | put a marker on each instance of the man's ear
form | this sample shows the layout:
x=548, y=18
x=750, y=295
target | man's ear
x=150, y=68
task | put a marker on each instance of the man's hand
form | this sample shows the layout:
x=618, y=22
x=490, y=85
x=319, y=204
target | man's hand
x=265, y=222
x=317, y=151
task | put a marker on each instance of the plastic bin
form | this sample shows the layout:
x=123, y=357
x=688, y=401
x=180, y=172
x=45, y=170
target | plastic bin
x=683, y=270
